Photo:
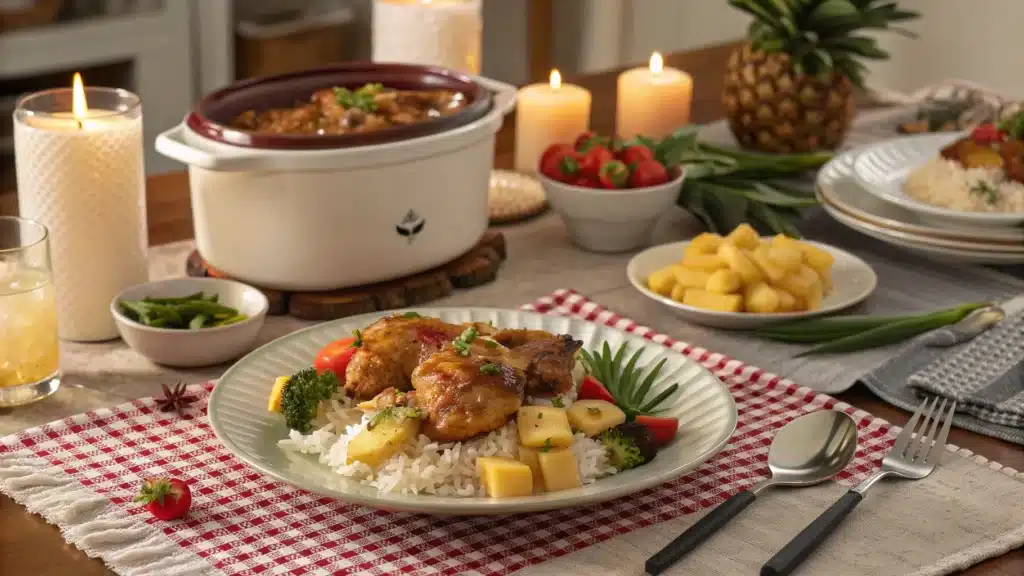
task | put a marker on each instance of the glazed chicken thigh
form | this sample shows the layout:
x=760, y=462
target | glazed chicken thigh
x=392, y=347
x=467, y=395
x=547, y=359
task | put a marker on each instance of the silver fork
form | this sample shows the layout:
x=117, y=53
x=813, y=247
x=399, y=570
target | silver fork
x=913, y=456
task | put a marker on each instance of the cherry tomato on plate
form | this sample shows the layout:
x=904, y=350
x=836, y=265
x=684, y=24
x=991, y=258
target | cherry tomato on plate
x=662, y=428
x=591, y=389
x=648, y=173
x=335, y=357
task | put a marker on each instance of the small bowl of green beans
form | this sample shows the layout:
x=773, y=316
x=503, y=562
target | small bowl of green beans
x=190, y=322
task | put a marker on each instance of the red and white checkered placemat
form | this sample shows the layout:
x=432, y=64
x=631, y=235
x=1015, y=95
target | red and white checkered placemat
x=244, y=523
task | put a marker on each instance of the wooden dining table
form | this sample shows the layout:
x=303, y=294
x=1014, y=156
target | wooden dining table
x=30, y=546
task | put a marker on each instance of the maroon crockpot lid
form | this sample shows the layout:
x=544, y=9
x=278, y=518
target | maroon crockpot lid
x=213, y=115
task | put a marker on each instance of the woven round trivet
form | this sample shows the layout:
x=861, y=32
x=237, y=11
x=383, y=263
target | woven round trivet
x=513, y=197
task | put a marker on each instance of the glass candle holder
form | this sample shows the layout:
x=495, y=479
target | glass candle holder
x=80, y=172
x=29, y=349
x=444, y=33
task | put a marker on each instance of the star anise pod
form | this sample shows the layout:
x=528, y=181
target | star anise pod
x=175, y=398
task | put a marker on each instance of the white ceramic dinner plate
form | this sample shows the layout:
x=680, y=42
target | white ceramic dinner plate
x=883, y=168
x=853, y=281
x=843, y=198
x=239, y=416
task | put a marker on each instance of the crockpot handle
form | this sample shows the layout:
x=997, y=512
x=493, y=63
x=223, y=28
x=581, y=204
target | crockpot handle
x=172, y=144
x=504, y=94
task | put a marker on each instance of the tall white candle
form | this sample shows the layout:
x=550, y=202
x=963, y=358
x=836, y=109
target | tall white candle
x=433, y=32
x=547, y=114
x=653, y=101
x=80, y=172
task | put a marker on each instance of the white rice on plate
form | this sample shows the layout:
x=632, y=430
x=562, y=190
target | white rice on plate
x=425, y=466
x=947, y=184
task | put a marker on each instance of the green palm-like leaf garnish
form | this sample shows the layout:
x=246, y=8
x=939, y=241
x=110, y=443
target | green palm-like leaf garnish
x=621, y=381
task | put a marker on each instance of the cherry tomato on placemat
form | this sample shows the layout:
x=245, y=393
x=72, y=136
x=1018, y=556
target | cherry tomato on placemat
x=648, y=173
x=165, y=498
x=335, y=357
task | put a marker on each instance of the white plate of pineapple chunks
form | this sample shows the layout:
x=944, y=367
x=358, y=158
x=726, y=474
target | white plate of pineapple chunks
x=743, y=281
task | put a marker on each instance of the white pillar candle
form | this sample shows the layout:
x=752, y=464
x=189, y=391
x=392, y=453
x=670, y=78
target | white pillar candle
x=653, y=101
x=432, y=32
x=80, y=172
x=547, y=114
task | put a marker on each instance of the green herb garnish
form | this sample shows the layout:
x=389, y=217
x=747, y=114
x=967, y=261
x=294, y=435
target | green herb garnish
x=191, y=312
x=359, y=338
x=1013, y=126
x=490, y=343
x=593, y=410
x=362, y=98
x=490, y=368
x=399, y=413
x=557, y=402
x=411, y=315
x=623, y=381
x=461, y=344
x=854, y=333
x=986, y=190
x=547, y=446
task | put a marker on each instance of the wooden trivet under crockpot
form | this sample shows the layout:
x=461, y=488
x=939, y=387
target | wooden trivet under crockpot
x=513, y=197
x=474, y=268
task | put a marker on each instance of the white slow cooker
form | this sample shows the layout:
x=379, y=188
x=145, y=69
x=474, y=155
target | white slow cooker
x=303, y=213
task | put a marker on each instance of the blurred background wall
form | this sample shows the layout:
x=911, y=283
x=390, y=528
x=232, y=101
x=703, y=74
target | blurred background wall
x=173, y=51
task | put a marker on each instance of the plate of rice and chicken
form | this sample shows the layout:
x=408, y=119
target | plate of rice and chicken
x=470, y=411
x=960, y=180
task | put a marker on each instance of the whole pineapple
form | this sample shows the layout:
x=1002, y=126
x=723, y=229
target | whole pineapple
x=790, y=88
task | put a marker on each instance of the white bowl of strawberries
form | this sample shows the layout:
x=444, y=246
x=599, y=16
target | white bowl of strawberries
x=609, y=194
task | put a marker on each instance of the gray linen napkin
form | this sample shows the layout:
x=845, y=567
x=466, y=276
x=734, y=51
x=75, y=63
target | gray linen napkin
x=985, y=376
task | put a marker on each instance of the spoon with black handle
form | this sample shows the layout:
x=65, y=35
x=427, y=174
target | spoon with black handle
x=808, y=450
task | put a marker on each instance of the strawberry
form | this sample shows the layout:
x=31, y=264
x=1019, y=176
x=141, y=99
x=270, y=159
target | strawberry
x=648, y=173
x=165, y=498
x=595, y=157
x=635, y=154
x=613, y=174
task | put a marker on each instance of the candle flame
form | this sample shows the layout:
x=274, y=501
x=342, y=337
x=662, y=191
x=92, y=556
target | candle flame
x=79, y=107
x=656, y=63
x=556, y=79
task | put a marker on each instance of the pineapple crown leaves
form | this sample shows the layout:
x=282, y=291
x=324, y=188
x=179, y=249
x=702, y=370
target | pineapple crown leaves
x=820, y=36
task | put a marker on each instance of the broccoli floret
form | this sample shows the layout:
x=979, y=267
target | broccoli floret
x=629, y=445
x=302, y=396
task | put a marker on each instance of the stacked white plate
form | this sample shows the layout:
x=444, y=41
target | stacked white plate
x=863, y=189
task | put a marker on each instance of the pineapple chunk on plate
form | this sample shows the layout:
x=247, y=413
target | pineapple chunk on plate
x=774, y=285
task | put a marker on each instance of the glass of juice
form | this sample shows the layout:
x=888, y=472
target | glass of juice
x=29, y=348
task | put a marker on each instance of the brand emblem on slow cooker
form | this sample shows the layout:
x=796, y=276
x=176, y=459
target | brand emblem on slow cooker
x=411, y=225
